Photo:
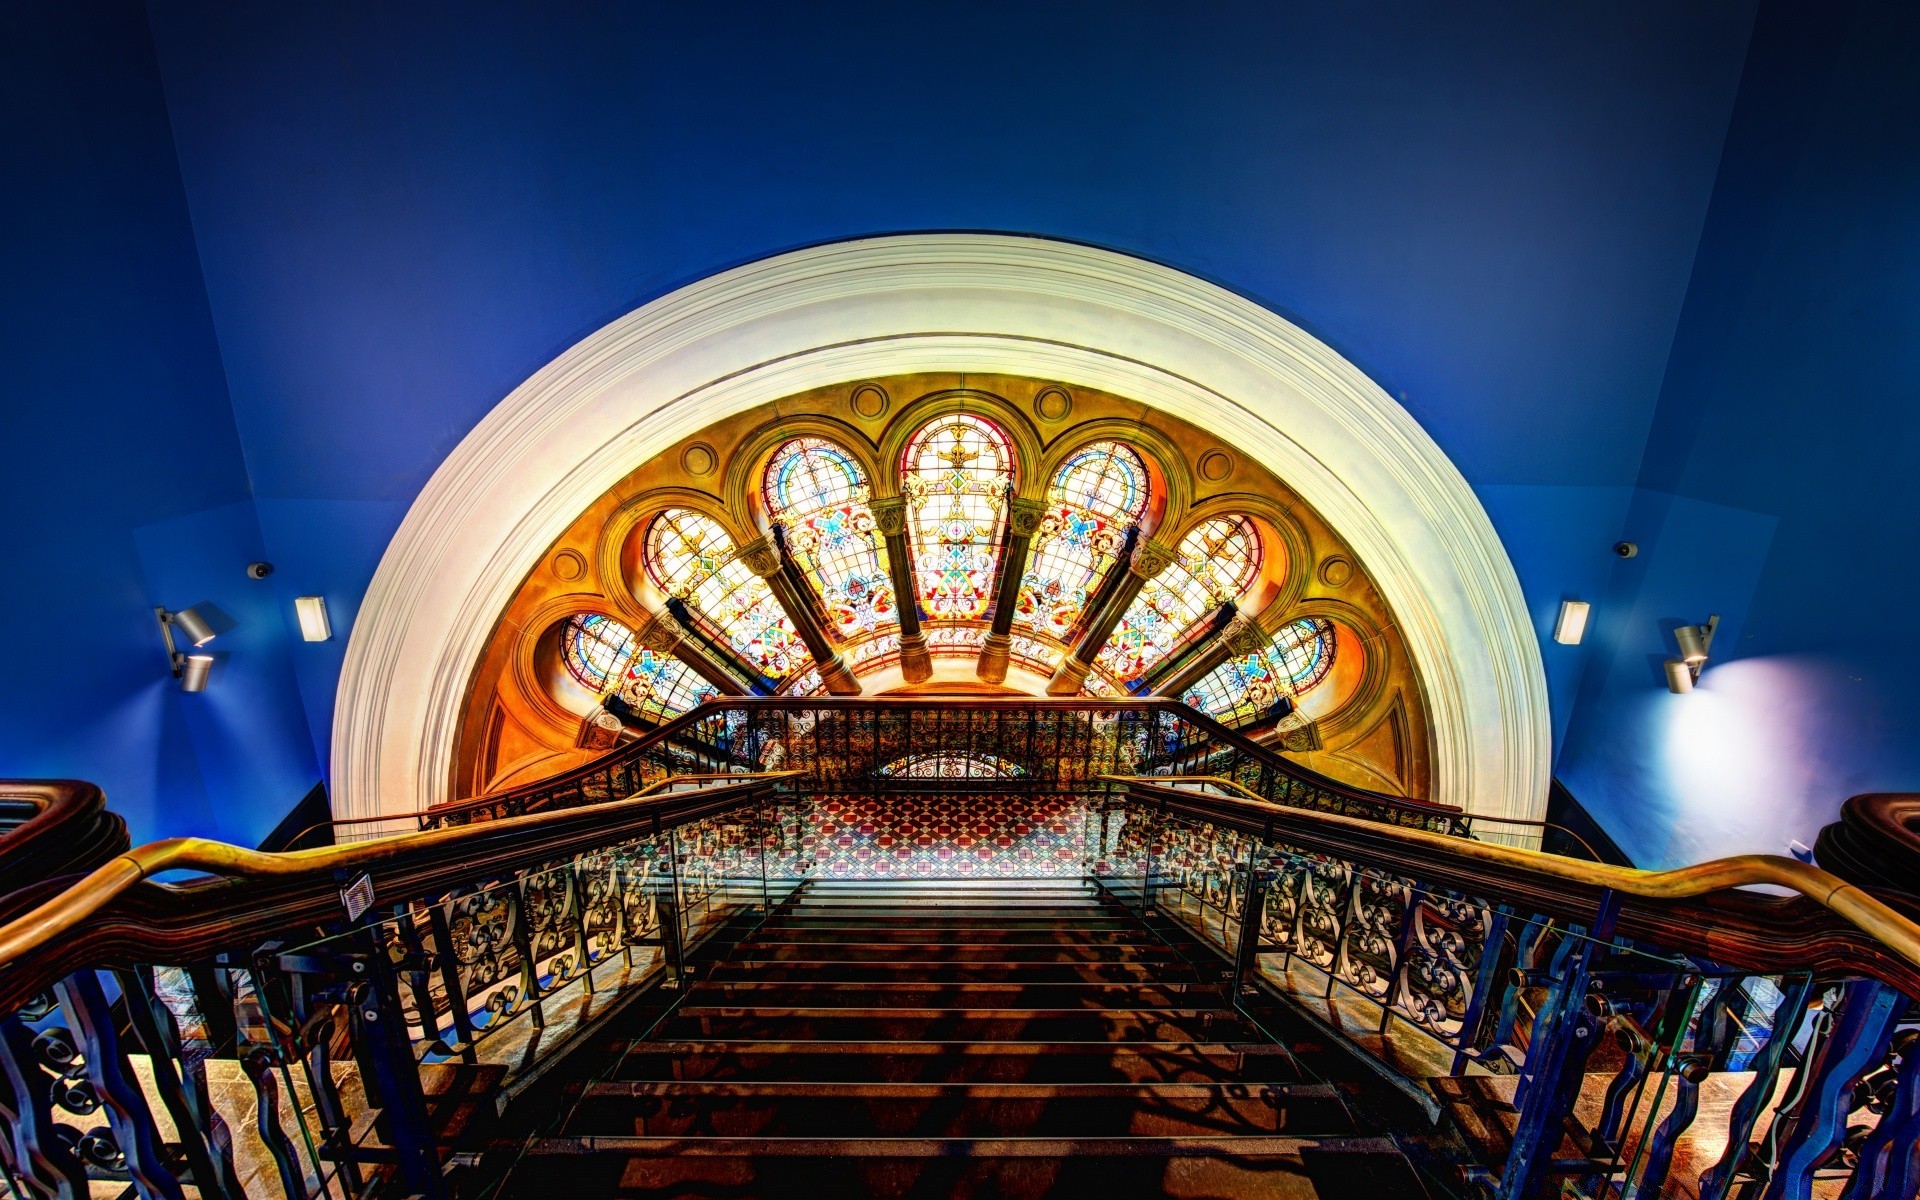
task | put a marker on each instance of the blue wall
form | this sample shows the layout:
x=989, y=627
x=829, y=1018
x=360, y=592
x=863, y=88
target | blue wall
x=403, y=211
x=123, y=485
x=400, y=212
x=1777, y=486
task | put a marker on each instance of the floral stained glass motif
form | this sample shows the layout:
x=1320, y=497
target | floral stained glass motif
x=1095, y=496
x=691, y=557
x=819, y=496
x=956, y=474
x=1215, y=563
x=659, y=686
x=1244, y=689
x=595, y=648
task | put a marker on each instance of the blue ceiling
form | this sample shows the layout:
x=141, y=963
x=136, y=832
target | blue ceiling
x=273, y=262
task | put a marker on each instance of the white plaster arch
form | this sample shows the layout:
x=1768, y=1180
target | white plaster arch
x=942, y=302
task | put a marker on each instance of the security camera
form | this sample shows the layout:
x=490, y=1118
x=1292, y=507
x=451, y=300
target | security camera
x=1626, y=549
x=259, y=570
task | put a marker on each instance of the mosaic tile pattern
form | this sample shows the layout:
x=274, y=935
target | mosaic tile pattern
x=945, y=837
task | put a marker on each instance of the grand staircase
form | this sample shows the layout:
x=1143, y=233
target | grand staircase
x=988, y=1038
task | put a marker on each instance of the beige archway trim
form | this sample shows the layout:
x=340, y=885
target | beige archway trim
x=987, y=303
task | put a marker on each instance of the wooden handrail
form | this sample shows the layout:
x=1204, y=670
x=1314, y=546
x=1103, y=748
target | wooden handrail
x=443, y=857
x=1500, y=871
x=67, y=828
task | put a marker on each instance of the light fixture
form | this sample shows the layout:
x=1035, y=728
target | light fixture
x=1696, y=642
x=312, y=611
x=1572, y=625
x=193, y=672
x=190, y=669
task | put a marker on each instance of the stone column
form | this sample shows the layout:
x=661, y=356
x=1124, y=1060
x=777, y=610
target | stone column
x=764, y=560
x=890, y=517
x=1149, y=559
x=1240, y=637
x=1023, y=518
x=665, y=635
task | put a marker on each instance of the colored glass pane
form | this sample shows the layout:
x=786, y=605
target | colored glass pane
x=658, y=686
x=690, y=556
x=1214, y=564
x=1244, y=689
x=1095, y=496
x=955, y=475
x=819, y=496
x=595, y=648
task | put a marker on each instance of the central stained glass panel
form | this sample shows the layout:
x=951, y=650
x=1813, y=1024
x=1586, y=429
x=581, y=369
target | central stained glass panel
x=956, y=474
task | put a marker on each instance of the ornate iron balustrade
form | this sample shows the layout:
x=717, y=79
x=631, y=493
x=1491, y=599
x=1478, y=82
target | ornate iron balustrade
x=355, y=1035
x=846, y=745
x=1543, y=987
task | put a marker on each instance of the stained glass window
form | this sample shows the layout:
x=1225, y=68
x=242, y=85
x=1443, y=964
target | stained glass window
x=955, y=474
x=595, y=648
x=659, y=686
x=938, y=765
x=819, y=496
x=1244, y=689
x=691, y=557
x=1094, y=497
x=1214, y=564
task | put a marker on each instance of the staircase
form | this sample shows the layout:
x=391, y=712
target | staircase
x=976, y=1038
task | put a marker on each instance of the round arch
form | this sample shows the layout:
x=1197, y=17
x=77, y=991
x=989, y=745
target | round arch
x=942, y=302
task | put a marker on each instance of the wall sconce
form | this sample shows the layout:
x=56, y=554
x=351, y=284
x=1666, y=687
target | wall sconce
x=191, y=670
x=1696, y=641
x=312, y=611
x=1572, y=625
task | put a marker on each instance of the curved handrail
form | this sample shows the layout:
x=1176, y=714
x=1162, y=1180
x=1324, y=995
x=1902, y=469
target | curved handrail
x=678, y=727
x=67, y=911
x=60, y=826
x=1876, y=841
x=1858, y=908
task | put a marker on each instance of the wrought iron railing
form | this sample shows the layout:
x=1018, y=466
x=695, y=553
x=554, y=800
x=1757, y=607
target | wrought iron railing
x=1575, y=1018
x=848, y=746
x=369, y=999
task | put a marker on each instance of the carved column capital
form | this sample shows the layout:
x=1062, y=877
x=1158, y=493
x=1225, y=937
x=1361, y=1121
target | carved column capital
x=1024, y=515
x=761, y=557
x=661, y=634
x=1149, y=559
x=1243, y=636
x=889, y=515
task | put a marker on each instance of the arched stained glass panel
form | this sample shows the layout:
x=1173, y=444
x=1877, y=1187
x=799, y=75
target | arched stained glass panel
x=1093, y=499
x=1241, y=690
x=956, y=473
x=819, y=496
x=691, y=557
x=659, y=686
x=596, y=649
x=1214, y=564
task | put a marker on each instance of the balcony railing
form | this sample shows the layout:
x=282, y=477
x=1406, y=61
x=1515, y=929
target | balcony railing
x=1578, y=1018
x=340, y=1021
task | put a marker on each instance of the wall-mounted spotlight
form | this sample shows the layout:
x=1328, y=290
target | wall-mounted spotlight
x=190, y=669
x=312, y=611
x=1572, y=625
x=1696, y=642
